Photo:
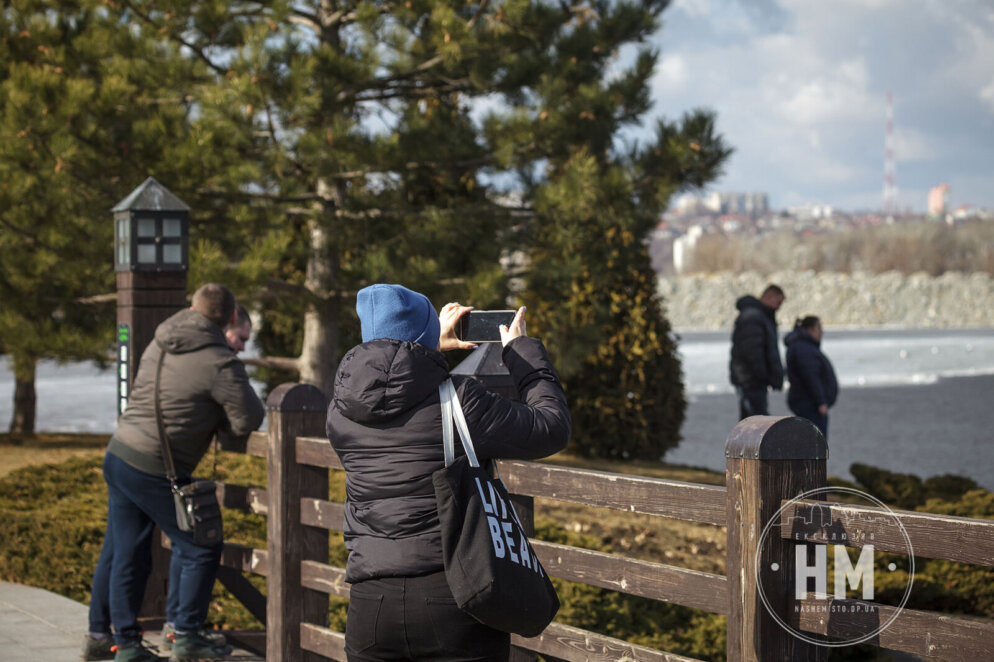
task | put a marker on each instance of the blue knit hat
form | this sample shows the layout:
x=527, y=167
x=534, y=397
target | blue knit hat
x=395, y=312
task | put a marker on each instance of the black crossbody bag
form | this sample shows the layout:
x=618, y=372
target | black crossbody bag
x=197, y=509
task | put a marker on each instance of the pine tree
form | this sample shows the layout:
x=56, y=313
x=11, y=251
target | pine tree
x=589, y=278
x=371, y=141
x=85, y=109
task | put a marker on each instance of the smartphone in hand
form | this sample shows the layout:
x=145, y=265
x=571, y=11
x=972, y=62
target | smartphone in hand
x=478, y=326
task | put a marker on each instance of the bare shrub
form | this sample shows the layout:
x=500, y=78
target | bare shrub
x=934, y=248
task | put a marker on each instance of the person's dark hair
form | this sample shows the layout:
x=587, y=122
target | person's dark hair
x=241, y=317
x=774, y=289
x=806, y=323
x=215, y=302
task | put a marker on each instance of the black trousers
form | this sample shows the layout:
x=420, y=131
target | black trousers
x=416, y=618
x=753, y=401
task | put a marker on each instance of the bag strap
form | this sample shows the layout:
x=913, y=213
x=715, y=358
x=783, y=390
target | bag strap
x=452, y=412
x=167, y=454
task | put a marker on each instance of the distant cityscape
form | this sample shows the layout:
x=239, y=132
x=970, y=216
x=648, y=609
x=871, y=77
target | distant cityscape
x=749, y=214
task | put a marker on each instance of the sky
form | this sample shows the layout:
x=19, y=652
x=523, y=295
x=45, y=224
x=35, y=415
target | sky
x=800, y=86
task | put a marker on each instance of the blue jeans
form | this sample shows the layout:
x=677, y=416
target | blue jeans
x=137, y=501
x=100, y=591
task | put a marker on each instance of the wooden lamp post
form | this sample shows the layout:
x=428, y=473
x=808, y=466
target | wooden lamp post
x=151, y=258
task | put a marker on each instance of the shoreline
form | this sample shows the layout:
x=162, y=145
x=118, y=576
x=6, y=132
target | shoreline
x=921, y=429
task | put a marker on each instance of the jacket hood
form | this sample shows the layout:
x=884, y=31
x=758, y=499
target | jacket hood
x=749, y=301
x=800, y=335
x=382, y=379
x=188, y=331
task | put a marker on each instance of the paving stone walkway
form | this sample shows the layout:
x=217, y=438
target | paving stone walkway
x=40, y=626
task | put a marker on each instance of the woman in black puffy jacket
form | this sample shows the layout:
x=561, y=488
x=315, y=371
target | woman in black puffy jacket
x=813, y=386
x=385, y=423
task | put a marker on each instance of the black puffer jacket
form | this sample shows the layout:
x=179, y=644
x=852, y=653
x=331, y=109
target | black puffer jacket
x=812, y=377
x=385, y=423
x=755, y=361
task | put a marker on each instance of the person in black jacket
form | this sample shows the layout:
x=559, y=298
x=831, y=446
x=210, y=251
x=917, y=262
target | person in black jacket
x=755, y=362
x=813, y=386
x=385, y=423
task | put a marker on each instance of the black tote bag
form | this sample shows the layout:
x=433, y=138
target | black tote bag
x=490, y=566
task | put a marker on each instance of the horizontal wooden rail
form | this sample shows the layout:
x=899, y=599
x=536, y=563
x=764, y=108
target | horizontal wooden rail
x=323, y=577
x=636, y=494
x=245, y=559
x=322, y=641
x=322, y=514
x=932, y=536
x=238, y=557
x=565, y=642
x=244, y=498
x=927, y=634
x=317, y=452
x=690, y=588
x=560, y=641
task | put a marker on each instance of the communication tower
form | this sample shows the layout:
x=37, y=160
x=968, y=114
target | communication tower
x=890, y=167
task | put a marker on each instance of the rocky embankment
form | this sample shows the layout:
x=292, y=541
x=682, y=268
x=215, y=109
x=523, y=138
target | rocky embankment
x=860, y=299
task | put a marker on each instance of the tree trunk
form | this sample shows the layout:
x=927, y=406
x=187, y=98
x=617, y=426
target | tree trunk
x=22, y=423
x=319, y=354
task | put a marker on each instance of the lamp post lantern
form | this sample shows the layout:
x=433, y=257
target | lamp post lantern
x=151, y=256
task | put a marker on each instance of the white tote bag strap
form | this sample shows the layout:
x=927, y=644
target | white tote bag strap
x=452, y=412
x=448, y=441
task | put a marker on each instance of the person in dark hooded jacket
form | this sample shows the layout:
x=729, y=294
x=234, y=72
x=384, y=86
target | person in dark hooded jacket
x=203, y=389
x=385, y=423
x=755, y=358
x=813, y=386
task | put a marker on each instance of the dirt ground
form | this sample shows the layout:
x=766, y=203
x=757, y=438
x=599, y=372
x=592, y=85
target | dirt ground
x=48, y=449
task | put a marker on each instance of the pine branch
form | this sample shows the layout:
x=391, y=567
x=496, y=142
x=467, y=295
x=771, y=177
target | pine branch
x=274, y=362
x=177, y=38
x=413, y=90
x=97, y=298
x=30, y=236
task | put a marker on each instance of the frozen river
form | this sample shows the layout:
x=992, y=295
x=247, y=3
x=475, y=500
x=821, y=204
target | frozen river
x=916, y=401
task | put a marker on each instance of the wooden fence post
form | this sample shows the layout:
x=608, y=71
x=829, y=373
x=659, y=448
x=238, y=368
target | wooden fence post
x=768, y=459
x=294, y=410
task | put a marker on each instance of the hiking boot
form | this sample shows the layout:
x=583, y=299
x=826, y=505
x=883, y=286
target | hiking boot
x=194, y=647
x=136, y=651
x=169, y=636
x=98, y=649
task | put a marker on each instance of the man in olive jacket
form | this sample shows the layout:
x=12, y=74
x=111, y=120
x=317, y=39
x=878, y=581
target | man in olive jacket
x=203, y=389
x=755, y=362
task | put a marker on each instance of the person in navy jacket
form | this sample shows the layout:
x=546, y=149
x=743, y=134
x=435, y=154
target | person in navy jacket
x=813, y=386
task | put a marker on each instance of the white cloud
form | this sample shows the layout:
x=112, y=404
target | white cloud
x=987, y=95
x=800, y=94
x=913, y=145
x=817, y=94
x=693, y=7
x=671, y=72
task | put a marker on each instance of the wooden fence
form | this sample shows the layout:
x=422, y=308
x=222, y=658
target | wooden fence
x=769, y=462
